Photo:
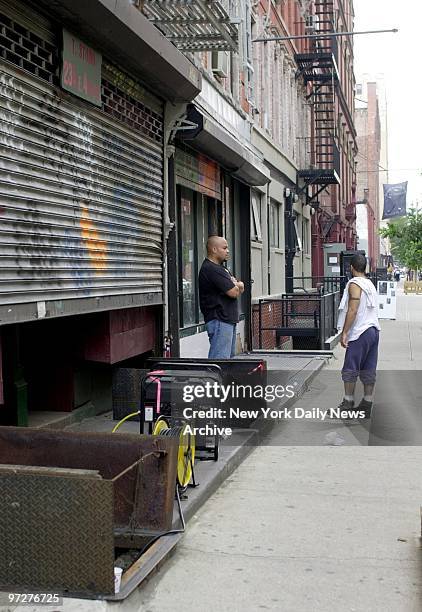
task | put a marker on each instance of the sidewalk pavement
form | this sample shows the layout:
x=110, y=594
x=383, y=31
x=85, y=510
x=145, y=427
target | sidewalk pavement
x=299, y=528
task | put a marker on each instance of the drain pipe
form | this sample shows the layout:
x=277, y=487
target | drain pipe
x=174, y=115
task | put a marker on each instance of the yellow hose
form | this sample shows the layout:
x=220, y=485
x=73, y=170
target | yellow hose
x=125, y=419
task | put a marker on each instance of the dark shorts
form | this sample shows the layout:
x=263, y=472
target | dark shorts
x=361, y=358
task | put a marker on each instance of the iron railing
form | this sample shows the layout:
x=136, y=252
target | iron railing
x=310, y=319
x=320, y=284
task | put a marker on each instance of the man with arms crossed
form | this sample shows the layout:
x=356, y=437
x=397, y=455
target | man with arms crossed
x=358, y=322
x=218, y=294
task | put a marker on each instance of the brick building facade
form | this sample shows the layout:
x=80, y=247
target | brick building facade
x=367, y=119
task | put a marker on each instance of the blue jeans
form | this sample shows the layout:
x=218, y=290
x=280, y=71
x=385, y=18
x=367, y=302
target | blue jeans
x=222, y=337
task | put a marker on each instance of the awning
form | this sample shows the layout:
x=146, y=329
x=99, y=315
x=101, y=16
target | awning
x=212, y=139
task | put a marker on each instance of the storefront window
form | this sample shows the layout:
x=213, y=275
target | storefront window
x=214, y=217
x=199, y=217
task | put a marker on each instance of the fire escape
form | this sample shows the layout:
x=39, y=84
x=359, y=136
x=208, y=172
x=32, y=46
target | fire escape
x=318, y=68
x=202, y=25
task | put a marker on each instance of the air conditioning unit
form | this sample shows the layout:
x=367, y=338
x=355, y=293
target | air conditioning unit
x=220, y=63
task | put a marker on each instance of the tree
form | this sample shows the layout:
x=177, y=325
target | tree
x=406, y=239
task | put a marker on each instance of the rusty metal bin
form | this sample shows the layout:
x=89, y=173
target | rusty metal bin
x=65, y=497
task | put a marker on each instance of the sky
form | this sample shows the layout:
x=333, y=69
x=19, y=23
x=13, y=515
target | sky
x=397, y=57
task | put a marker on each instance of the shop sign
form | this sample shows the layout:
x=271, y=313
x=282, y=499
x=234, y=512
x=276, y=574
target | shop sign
x=199, y=173
x=81, y=69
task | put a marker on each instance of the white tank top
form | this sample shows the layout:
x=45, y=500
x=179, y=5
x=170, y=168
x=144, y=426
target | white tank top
x=366, y=316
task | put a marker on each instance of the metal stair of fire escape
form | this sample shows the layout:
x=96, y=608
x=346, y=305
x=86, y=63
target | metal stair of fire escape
x=324, y=94
x=318, y=67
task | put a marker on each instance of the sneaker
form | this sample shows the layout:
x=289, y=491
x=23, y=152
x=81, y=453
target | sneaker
x=366, y=406
x=348, y=405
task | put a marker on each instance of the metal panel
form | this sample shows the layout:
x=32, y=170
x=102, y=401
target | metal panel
x=81, y=195
x=43, y=545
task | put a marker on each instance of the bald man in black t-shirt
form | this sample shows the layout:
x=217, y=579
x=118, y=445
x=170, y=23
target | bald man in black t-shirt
x=218, y=293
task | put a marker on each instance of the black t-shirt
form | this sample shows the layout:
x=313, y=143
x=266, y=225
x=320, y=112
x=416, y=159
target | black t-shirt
x=214, y=281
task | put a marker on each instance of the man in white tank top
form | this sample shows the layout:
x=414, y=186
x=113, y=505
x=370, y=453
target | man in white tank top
x=358, y=322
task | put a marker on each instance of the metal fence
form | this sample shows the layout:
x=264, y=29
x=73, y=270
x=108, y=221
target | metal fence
x=309, y=319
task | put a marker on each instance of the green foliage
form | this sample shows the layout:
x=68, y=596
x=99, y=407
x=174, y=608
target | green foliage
x=405, y=235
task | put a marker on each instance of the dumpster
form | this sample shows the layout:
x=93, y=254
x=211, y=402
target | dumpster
x=67, y=498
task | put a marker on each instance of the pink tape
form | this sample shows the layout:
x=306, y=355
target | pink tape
x=153, y=375
x=259, y=367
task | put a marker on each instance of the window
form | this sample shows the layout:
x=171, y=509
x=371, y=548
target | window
x=274, y=222
x=187, y=260
x=199, y=217
x=305, y=236
x=256, y=234
x=298, y=240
